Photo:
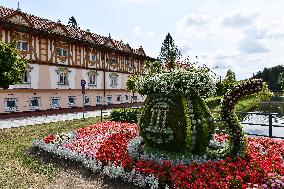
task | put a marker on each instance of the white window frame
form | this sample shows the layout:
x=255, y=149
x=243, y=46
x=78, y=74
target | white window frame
x=22, y=44
x=100, y=101
x=109, y=99
x=93, y=58
x=72, y=104
x=30, y=103
x=62, y=80
x=118, y=98
x=89, y=101
x=112, y=61
x=25, y=77
x=113, y=80
x=62, y=52
x=126, y=98
x=11, y=109
x=53, y=105
x=93, y=78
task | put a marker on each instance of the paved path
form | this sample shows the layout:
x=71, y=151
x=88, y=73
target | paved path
x=19, y=122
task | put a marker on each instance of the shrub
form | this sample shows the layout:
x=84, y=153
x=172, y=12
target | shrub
x=125, y=115
x=213, y=102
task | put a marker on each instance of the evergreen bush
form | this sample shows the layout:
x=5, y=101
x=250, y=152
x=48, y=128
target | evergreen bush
x=125, y=114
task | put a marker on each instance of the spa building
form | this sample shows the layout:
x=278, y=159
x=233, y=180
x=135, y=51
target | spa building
x=59, y=57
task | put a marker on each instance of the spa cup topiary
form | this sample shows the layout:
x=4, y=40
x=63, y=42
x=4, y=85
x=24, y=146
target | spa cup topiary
x=175, y=117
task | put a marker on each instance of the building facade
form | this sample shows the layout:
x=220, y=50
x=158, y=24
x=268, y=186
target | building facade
x=59, y=57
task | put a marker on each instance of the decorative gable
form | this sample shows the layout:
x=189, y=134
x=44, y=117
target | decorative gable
x=89, y=38
x=110, y=43
x=128, y=48
x=59, y=29
x=19, y=19
x=141, y=51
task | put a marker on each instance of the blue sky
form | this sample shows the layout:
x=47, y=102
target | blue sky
x=243, y=35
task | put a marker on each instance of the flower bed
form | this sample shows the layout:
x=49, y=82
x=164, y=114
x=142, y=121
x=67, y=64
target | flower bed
x=103, y=147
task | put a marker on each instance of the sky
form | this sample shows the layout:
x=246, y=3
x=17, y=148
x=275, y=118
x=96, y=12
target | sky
x=244, y=36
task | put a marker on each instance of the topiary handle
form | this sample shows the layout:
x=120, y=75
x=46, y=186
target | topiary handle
x=237, y=144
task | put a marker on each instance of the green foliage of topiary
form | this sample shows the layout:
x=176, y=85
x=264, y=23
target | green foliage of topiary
x=204, y=125
x=176, y=123
x=163, y=123
x=213, y=102
x=125, y=114
x=237, y=144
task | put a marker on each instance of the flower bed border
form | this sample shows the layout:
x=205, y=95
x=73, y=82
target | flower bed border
x=95, y=165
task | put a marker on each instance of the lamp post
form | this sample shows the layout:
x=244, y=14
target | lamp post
x=83, y=83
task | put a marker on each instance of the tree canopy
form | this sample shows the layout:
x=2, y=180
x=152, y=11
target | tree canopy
x=230, y=76
x=271, y=77
x=169, y=52
x=11, y=67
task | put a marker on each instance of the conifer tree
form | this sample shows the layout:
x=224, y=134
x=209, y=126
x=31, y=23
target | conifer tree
x=230, y=76
x=169, y=52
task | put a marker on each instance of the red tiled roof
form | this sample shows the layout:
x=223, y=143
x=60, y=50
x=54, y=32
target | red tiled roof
x=45, y=24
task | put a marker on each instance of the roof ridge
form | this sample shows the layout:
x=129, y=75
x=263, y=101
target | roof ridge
x=34, y=19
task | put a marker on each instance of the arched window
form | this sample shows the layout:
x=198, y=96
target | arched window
x=93, y=77
x=26, y=77
x=113, y=79
x=63, y=78
x=62, y=74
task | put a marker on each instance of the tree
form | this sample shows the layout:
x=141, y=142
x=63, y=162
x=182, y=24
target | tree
x=72, y=22
x=226, y=84
x=151, y=68
x=230, y=76
x=169, y=52
x=11, y=67
x=281, y=80
x=271, y=77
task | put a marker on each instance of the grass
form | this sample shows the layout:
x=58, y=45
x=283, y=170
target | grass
x=19, y=170
x=247, y=104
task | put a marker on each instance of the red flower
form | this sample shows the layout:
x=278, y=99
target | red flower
x=48, y=139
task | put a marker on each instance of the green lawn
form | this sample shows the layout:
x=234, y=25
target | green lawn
x=18, y=170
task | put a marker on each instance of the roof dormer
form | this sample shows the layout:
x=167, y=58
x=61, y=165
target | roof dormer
x=110, y=43
x=58, y=28
x=88, y=36
x=141, y=51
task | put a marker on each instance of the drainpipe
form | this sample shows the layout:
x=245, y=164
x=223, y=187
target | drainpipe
x=104, y=79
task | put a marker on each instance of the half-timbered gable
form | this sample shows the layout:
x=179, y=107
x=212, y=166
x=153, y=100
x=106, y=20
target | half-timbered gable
x=59, y=29
x=18, y=18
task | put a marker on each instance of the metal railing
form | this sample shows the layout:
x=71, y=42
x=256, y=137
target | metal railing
x=268, y=120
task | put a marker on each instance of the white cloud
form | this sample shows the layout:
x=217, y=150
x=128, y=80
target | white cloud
x=193, y=20
x=251, y=45
x=138, y=32
x=195, y=25
x=238, y=20
x=183, y=46
x=246, y=42
x=150, y=34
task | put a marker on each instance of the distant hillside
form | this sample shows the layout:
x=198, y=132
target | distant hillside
x=271, y=75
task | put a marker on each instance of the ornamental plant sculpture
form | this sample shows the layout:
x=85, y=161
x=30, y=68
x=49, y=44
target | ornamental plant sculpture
x=237, y=144
x=175, y=117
